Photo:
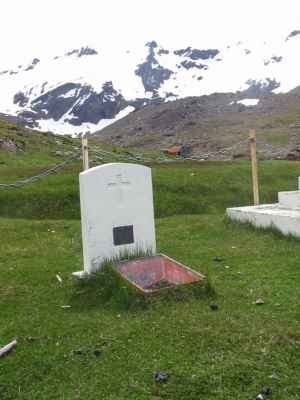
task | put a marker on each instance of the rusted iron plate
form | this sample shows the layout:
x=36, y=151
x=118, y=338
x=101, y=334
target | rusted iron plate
x=150, y=274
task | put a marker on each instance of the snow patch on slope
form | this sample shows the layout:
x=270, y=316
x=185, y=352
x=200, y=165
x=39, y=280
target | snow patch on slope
x=232, y=69
x=63, y=127
x=249, y=102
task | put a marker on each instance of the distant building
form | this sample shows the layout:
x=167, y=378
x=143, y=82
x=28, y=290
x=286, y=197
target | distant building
x=182, y=151
x=294, y=155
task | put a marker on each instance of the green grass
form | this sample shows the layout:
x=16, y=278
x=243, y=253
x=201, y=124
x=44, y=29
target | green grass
x=273, y=121
x=34, y=149
x=277, y=138
x=226, y=354
x=190, y=188
x=108, y=287
x=215, y=355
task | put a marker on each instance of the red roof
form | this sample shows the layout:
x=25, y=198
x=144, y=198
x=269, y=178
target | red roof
x=175, y=150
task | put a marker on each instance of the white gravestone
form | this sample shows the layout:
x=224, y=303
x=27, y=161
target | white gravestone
x=117, y=215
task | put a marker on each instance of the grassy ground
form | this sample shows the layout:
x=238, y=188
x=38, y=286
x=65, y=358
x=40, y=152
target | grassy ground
x=226, y=354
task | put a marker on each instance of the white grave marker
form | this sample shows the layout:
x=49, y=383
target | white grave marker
x=284, y=215
x=117, y=213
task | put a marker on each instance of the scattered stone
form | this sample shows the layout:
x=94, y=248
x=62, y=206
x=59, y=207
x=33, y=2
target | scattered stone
x=266, y=391
x=78, y=352
x=31, y=338
x=259, y=301
x=97, y=353
x=161, y=376
x=227, y=266
x=58, y=278
x=66, y=306
x=8, y=145
x=59, y=153
x=217, y=259
x=214, y=307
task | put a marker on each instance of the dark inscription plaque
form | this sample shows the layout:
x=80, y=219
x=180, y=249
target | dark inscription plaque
x=123, y=235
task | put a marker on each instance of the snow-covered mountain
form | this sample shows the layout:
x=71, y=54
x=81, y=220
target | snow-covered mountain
x=87, y=89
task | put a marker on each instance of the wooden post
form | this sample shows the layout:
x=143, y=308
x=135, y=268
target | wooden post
x=85, y=153
x=254, y=167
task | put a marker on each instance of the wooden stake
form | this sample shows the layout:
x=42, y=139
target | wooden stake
x=85, y=153
x=254, y=167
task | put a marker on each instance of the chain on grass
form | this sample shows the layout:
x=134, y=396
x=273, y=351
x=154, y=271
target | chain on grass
x=42, y=175
x=102, y=155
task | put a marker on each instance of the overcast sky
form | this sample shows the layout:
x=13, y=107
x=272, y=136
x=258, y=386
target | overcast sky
x=35, y=28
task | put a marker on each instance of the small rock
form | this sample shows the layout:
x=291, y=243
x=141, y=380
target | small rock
x=266, y=391
x=161, y=376
x=214, y=307
x=217, y=259
x=59, y=153
x=78, y=352
x=97, y=353
x=259, y=301
x=31, y=338
x=260, y=397
x=8, y=145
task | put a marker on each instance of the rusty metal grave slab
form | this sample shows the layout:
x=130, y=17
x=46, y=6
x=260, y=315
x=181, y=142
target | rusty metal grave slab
x=153, y=273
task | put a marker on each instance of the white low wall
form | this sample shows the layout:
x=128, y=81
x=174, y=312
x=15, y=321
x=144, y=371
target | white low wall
x=289, y=199
x=285, y=220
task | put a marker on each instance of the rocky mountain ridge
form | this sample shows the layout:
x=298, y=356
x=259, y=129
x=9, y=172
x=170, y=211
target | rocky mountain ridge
x=211, y=123
x=87, y=89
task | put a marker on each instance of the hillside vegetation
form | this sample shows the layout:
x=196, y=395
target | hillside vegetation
x=210, y=123
x=22, y=146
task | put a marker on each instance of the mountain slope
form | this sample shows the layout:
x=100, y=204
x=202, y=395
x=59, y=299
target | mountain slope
x=210, y=123
x=87, y=89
